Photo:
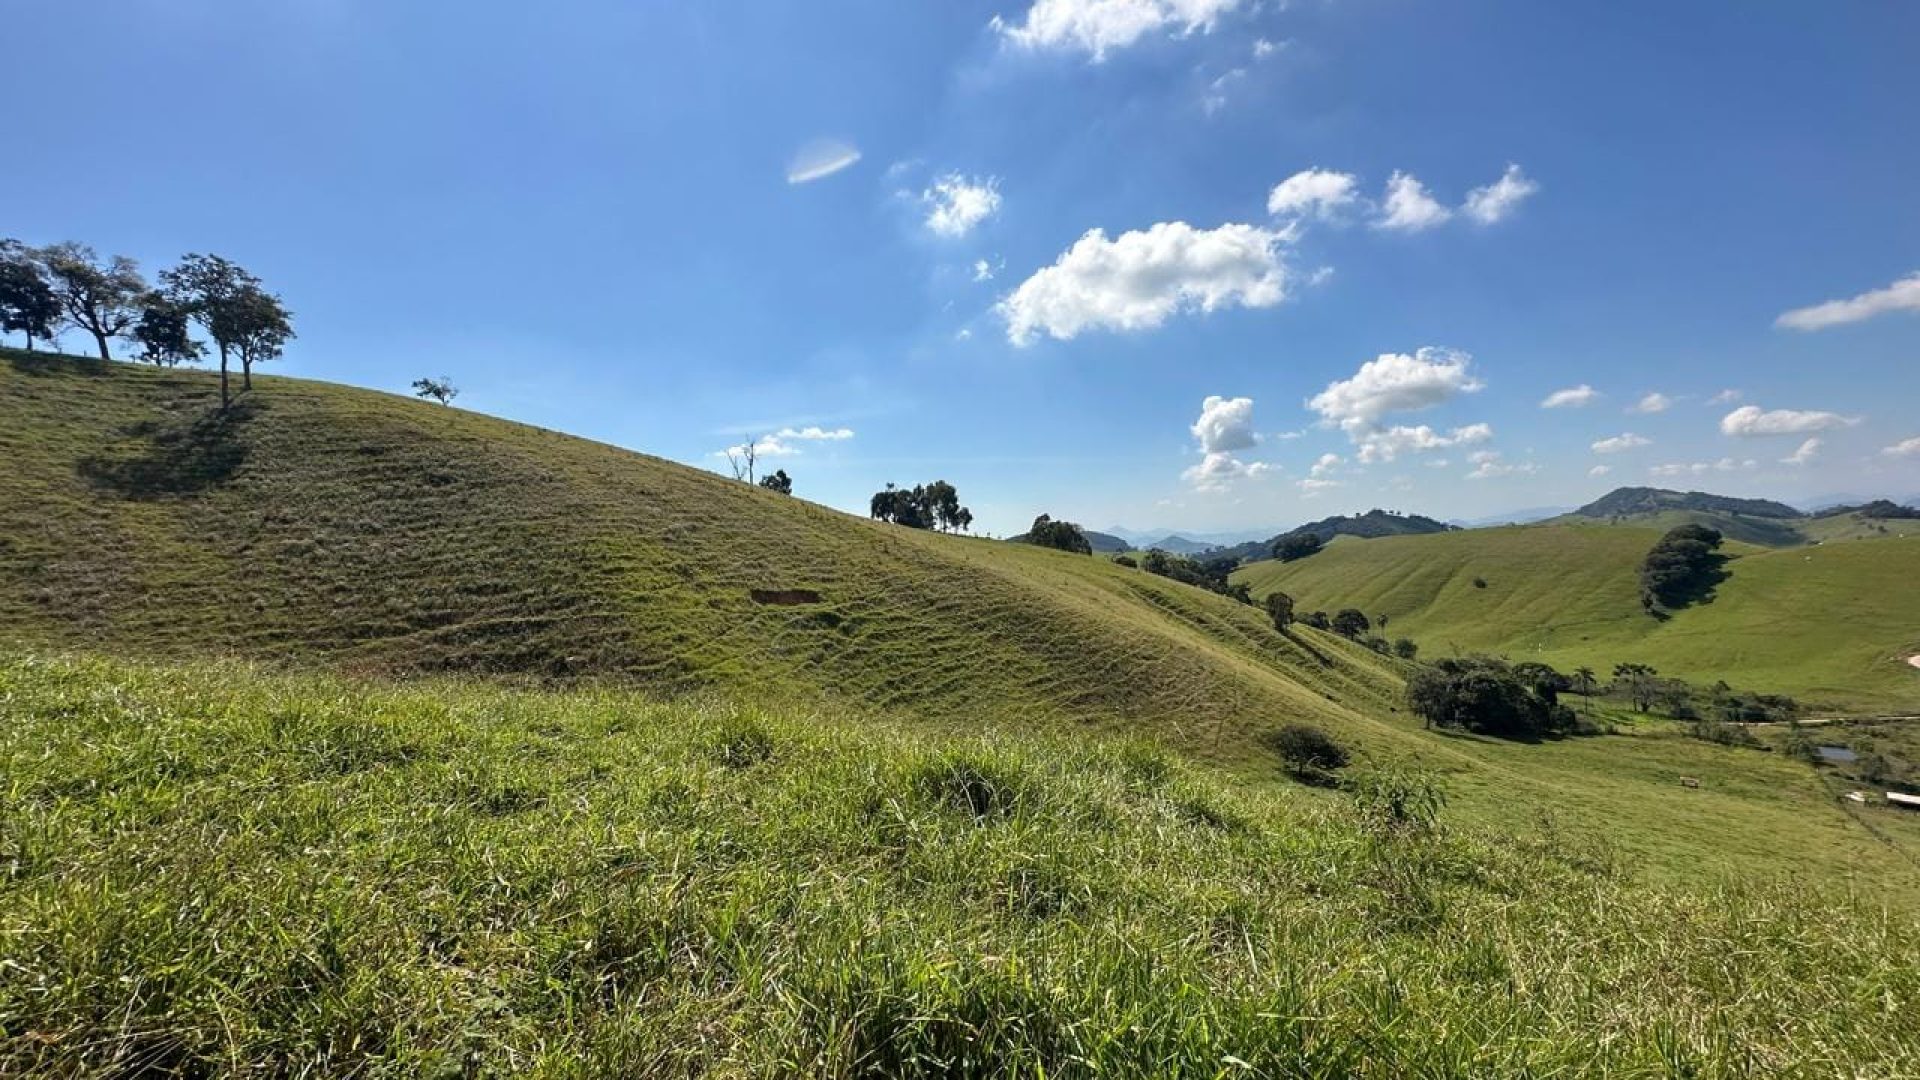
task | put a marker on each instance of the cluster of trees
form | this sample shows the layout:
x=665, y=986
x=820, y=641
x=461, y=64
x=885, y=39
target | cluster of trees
x=1492, y=697
x=1060, y=535
x=1683, y=567
x=779, y=481
x=441, y=389
x=923, y=506
x=1295, y=546
x=1209, y=574
x=45, y=291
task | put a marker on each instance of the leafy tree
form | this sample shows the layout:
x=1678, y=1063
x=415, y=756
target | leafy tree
x=1213, y=575
x=1639, y=682
x=1316, y=619
x=1127, y=561
x=1405, y=648
x=1309, y=754
x=1351, y=623
x=924, y=506
x=1060, y=535
x=1683, y=567
x=103, y=299
x=27, y=302
x=240, y=317
x=1584, y=680
x=441, y=389
x=1296, y=545
x=1280, y=609
x=779, y=481
x=162, y=333
x=1487, y=696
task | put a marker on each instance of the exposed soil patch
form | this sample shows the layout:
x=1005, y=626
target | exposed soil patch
x=784, y=597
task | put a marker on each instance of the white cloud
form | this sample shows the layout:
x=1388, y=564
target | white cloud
x=1904, y=448
x=1097, y=26
x=1750, y=421
x=1325, y=464
x=1140, y=279
x=1215, y=97
x=1408, y=207
x=1225, y=425
x=781, y=443
x=1573, y=397
x=1902, y=295
x=1698, y=468
x=955, y=204
x=1387, y=444
x=1808, y=450
x=1655, y=402
x=1725, y=397
x=1494, y=202
x=1263, y=48
x=1313, y=193
x=1319, y=477
x=1217, y=472
x=1488, y=464
x=982, y=270
x=820, y=158
x=1600, y=470
x=1395, y=382
x=1621, y=443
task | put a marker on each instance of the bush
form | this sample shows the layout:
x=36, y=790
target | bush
x=1309, y=754
x=1059, y=535
x=1280, y=609
x=1405, y=648
x=1479, y=583
x=1127, y=561
x=1351, y=623
x=1316, y=619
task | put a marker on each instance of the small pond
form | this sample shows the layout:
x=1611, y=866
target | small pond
x=1837, y=755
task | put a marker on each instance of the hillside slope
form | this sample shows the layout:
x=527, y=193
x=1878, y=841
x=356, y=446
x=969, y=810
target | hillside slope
x=319, y=523
x=1832, y=623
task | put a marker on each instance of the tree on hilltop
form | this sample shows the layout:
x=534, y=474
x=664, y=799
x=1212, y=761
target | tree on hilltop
x=241, y=317
x=162, y=333
x=103, y=299
x=779, y=481
x=27, y=301
x=441, y=389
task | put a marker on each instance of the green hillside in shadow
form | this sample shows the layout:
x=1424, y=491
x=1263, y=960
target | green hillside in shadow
x=1831, y=623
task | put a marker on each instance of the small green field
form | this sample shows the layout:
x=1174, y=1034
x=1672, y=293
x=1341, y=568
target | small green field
x=1830, y=623
x=216, y=871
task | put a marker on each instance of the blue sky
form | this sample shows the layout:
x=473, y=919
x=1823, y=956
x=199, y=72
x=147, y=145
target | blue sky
x=647, y=224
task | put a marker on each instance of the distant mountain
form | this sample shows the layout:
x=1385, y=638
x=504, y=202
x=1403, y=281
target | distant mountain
x=1513, y=517
x=1878, y=508
x=1367, y=526
x=1145, y=538
x=1627, y=501
x=1102, y=543
x=1180, y=545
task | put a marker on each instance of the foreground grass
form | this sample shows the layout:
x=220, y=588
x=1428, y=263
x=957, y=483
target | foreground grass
x=209, y=871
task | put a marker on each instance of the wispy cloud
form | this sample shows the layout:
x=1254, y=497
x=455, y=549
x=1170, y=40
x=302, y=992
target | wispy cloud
x=820, y=159
x=1902, y=295
x=1573, y=397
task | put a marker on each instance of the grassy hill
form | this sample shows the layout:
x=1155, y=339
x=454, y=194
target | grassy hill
x=213, y=871
x=1368, y=526
x=326, y=527
x=376, y=534
x=1831, y=623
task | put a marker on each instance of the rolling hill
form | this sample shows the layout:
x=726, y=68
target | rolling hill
x=1753, y=521
x=1368, y=526
x=1832, y=624
x=320, y=527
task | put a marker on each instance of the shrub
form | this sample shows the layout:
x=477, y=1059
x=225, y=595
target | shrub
x=1316, y=619
x=1405, y=648
x=1398, y=799
x=1485, y=695
x=1308, y=754
x=1351, y=622
x=1059, y=535
x=1127, y=561
x=1296, y=546
x=1280, y=609
x=1479, y=583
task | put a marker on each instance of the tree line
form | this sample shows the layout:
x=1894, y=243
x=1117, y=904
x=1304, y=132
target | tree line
x=923, y=506
x=45, y=291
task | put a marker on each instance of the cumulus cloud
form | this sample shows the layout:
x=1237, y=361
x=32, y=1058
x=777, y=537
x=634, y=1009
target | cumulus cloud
x=1808, y=450
x=1494, y=202
x=1902, y=295
x=1407, y=206
x=1225, y=426
x=1395, y=382
x=1725, y=397
x=1313, y=193
x=1573, y=397
x=1621, y=443
x=1699, y=468
x=1387, y=444
x=1600, y=470
x=955, y=203
x=1489, y=464
x=1319, y=478
x=1749, y=421
x=1904, y=448
x=1655, y=402
x=1096, y=27
x=820, y=158
x=1138, y=280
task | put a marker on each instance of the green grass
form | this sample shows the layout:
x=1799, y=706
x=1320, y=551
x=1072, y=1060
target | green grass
x=213, y=870
x=1831, y=623
x=329, y=528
